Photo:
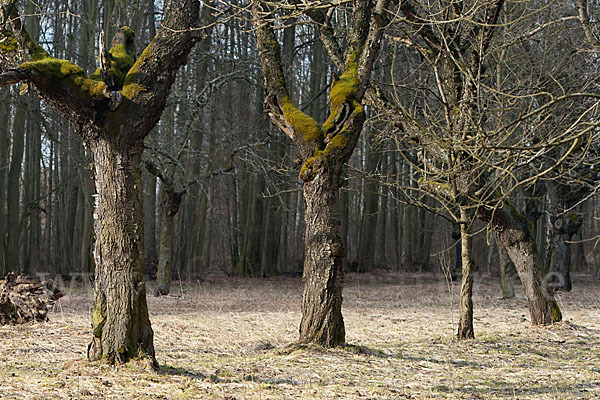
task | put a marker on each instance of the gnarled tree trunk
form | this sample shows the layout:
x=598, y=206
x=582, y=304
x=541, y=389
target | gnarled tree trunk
x=514, y=233
x=324, y=149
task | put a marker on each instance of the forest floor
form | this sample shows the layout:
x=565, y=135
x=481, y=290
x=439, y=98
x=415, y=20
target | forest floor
x=228, y=339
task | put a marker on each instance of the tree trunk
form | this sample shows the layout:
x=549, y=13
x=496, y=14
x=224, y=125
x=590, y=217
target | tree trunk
x=323, y=279
x=563, y=230
x=513, y=231
x=120, y=320
x=170, y=201
x=87, y=260
x=150, y=252
x=14, y=191
x=506, y=272
x=165, y=253
x=5, y=112
x=465, y=325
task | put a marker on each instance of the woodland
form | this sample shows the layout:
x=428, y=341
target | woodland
x=299, y=199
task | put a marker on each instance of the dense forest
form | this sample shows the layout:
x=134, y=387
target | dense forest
x=142, y=141
x=221, y=186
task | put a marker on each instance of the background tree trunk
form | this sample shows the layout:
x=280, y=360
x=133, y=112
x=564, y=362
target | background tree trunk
x=506, y=272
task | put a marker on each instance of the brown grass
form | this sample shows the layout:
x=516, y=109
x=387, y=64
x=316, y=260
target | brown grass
x=227, y=338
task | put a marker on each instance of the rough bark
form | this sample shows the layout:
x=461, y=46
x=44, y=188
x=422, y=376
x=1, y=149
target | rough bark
x=323, y=279
x=120, y=320
x=515, y=234
x=465, y=324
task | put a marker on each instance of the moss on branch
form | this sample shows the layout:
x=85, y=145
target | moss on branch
x=304, y=125
x=343, y=91
x=64, y=72
x=336, y=132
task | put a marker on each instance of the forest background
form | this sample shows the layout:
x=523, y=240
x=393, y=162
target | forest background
x=221, y=187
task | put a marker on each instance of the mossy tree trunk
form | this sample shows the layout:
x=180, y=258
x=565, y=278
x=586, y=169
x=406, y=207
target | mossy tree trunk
x=324, y=149
x=113, y=120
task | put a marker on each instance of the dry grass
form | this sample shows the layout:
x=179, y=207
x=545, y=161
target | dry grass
x=226, y=339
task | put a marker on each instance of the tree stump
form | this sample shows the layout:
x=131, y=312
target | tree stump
x=23, y=299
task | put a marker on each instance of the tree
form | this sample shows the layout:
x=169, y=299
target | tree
x=324, y=149
x=113, y=122
x=481, y=120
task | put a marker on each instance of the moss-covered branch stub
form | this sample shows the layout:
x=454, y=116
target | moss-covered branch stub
x=120, y=59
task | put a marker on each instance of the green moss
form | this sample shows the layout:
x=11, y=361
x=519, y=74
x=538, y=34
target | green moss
x=133, y=89
x=35, y=50
x=8, y=43
x=96, y=76
x=339, y=141
x=98, y=320
x=65, y=72
x=119, y=63
x=90, y=87
x=312, y=166
x=128, y=32
x=555, y=312
x=130, y=86
x=343, y=91
x=53, y=67
x=302, y=123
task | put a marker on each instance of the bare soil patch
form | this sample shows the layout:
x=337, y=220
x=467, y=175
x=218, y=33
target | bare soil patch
x=228, y=339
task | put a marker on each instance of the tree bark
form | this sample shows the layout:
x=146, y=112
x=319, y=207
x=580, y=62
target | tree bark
x=164, y=273
x=323, y=278
x=120, y=320
x=170, y=201
x=14, y=191
x=514, y=233
x=465, y=324
x=113, y=119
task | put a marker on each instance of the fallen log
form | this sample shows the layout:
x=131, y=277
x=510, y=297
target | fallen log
x=23, y=299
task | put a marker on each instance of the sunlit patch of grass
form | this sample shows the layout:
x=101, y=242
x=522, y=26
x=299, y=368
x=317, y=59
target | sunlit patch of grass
x=233, y=338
